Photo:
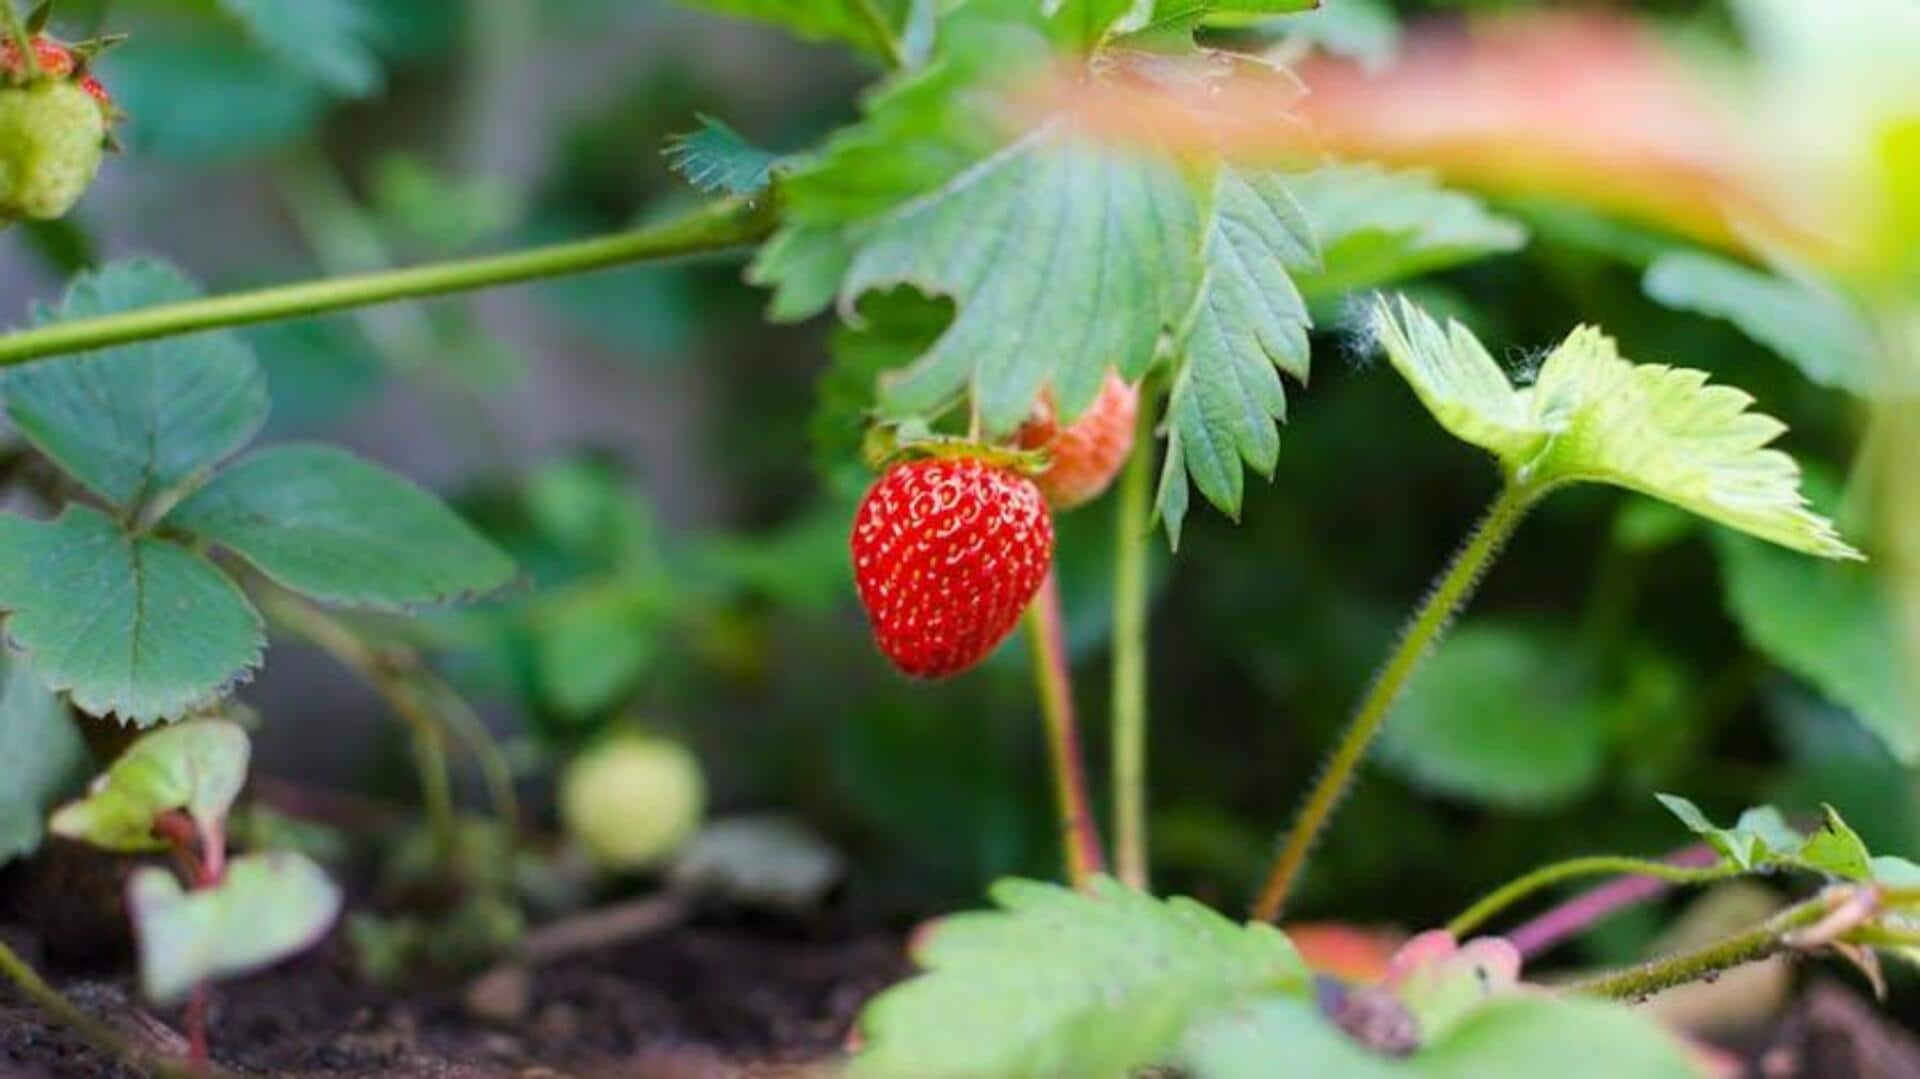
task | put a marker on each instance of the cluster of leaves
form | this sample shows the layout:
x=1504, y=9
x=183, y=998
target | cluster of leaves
x=1062, y=258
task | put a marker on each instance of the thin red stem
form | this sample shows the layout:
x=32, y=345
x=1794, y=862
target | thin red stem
x=200, y=848
x=1079, y=833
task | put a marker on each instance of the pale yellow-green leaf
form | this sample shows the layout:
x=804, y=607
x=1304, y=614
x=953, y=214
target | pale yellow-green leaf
x=1593, y=416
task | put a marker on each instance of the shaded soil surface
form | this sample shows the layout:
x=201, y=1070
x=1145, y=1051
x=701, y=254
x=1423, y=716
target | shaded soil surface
x=713, y=998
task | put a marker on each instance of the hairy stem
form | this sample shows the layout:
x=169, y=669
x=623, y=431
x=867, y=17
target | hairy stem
x=1051, y=675
x=722, y=224
x=1593, y=866
x=1131, y=535
x=1456, y=585
x=1763, y=940
x=97, y=1034
x=1576, y=915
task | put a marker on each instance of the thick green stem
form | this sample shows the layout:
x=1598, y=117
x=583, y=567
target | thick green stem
x=718, y=225
x=1769, y=937
x=1131, y=535
x=1078, y=834
x=97, y=1034
x=1594, y=866
x=1429, y=624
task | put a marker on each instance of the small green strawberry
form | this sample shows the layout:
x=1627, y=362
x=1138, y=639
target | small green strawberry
x=55, y=125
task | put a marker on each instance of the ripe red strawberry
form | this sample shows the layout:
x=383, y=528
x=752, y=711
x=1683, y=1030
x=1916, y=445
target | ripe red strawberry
x=947, y=553
x=1090, y=451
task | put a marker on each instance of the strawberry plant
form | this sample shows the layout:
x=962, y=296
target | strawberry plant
x=1079, y=259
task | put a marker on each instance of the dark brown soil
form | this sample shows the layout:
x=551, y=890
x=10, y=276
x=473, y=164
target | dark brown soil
x=708, y=999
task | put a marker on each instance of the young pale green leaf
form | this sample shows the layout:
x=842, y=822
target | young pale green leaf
x=327, y=40
x=1062, y=983
x=1762, y=840
x=1832, y=625
x=1499, y=715
x=46, y=760
x=1376, y=227
x=197, y=766
x=1594, y=417
x=321, y=521
x=1566, y=1037
x=1813, y=328
x=135, y=422
x=268, y=908
x=716, y=158
x=133, y=627
x=1247, y=323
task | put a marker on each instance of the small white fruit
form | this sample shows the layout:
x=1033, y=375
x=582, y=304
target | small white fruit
x=631, y=800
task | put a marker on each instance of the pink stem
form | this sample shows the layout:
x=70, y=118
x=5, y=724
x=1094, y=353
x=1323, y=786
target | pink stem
x=1576, y=915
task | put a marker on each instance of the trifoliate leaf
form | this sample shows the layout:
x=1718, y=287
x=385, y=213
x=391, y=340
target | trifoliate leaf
x=324, y=39
x=268, y=908
x=198, y=766
x=1813, y=328
x=321, y=521
x=134, y=627
x=1247, y=323
x=1062, y=983
x=1832, y=625
x=1376, y=227
x=716, y=158
x=136, y=421
x=1499, y=715
x=1566, y=1037
x=1592, y=416
x=1762, y=840
x=45, y=757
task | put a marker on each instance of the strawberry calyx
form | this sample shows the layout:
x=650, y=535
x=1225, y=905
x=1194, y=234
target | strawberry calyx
x=60, y=61
x=888, y=445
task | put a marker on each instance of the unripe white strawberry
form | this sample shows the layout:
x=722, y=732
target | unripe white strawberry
x=52, y=138
x=632, y=799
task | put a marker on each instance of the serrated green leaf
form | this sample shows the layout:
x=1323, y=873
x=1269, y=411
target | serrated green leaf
x=198, y=766
x=137, y=628
x=845, y=21
x=1814, y=329
x=1061, y=983
x=1594, y=417
x=268, y=908
x=1832, y=625
x=716, y=158
x=1055, y=254
x=1566, y=1037
x=1248, y=322
x=1499, y=715
x=321, y=521
x=44, y=754
x=1376, y=227
x=326, y=40
x=136, y=422
x=1762, y=839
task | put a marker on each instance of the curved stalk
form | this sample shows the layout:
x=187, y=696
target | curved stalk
x=1543, y=932
x=97, y=1034
x=1130, y=539
x=1078, y=834
x=1769, y=937
x=1594, y=866
x=1456, y=585
x=718, y=225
